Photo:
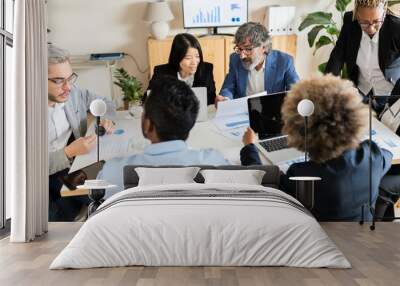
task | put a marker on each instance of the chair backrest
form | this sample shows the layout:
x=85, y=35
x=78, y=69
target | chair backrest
x=270, y=179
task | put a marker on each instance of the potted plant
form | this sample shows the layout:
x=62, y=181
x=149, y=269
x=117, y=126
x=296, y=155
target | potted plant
x=325, y=31
x=131, y=89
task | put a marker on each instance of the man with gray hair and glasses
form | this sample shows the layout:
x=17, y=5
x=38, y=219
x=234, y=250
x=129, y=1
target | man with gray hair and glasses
x=254, y=67
x=67, y=112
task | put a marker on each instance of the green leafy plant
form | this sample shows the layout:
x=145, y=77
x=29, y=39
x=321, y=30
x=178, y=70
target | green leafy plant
x=131, y=87
x=324, y=30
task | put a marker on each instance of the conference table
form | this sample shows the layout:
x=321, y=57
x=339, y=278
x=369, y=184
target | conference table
x=205, y=134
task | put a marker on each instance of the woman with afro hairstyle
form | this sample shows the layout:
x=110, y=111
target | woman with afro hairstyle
x=336, y=150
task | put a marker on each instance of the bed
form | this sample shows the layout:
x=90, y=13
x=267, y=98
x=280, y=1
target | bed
x=201, y=224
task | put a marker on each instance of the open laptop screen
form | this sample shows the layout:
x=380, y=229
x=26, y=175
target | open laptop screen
x=265, y=114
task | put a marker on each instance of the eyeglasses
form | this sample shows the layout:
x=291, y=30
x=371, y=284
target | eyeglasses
x=62, y=81
x=246, y=50
x=376, y=24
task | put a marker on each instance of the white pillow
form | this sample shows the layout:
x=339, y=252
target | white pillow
x=164, y=176
x=248, y=177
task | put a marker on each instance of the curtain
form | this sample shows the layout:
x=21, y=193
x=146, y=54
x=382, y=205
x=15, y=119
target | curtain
x=26, y=120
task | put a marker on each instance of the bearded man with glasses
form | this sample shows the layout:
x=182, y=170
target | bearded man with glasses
x=369, y=46
x=67, y=112
x=254, y=67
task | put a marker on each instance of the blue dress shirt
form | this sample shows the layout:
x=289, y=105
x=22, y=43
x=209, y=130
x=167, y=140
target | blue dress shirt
x=173, y=152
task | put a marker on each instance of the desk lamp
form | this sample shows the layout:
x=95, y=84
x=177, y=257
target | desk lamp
x=97, y=188
x=159, y=14
x=98, y=108
x=371, y=97
x=305, y=108
x=305, y=185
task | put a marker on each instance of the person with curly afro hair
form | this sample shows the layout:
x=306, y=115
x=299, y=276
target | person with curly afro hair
x=336, y=150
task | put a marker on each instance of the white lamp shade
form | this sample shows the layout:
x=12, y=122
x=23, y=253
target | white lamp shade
x=305, y=107
x=160, y=30
x=158, y=12
x=98, y=107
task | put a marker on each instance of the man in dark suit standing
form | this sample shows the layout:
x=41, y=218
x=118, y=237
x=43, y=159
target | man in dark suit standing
x=369, y=46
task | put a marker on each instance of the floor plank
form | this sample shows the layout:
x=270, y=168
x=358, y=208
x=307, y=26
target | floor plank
x=374, y=255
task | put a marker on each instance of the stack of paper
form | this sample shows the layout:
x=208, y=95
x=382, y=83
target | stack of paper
x=232, y=117
x=232, y=114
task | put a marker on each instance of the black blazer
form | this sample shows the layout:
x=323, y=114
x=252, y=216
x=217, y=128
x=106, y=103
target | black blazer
x=344, y=187
x=348, y=44
x=202, y=78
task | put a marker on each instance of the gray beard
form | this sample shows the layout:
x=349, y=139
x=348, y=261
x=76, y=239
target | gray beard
x=253, y=65
x=249, y=67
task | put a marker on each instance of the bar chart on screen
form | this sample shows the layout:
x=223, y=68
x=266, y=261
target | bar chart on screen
x=214, y=13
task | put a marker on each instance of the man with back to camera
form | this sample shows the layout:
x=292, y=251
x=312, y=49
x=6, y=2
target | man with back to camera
x=67, y=110
x=170, y=112
x=254, y=67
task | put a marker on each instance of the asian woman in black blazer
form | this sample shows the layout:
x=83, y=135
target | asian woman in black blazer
x=186, y=63
x=369, y=30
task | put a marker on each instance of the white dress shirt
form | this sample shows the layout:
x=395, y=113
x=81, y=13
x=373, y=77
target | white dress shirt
x=188, y=80
x=59, y=127
x=255, y=80
x=371, y=76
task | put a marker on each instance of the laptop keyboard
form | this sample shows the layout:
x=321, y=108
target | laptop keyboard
x=275, y=144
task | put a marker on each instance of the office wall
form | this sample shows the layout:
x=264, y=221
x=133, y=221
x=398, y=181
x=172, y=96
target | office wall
x=92, y=26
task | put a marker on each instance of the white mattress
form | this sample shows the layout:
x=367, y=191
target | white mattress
x=189, y=230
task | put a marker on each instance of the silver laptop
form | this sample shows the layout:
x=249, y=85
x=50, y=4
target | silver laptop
x=266, y=120
x=201, y=94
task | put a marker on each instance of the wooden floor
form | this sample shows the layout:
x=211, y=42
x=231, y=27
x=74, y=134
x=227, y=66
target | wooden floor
x=375, y=257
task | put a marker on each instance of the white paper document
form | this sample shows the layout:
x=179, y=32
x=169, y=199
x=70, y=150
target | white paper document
x=234, y=134
x=111, y=146
x=383, y=141
x=232, y=114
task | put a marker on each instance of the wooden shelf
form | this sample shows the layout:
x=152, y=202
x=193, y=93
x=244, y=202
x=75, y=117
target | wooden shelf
x=216, y=50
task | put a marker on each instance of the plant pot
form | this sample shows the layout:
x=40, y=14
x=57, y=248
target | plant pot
x=135, y=109
x=126, y=104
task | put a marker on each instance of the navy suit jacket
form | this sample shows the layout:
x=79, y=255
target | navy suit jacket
x=344, y=187
x=280, y=74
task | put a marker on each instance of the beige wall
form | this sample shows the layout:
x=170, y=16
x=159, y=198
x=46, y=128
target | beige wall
x=89, y=26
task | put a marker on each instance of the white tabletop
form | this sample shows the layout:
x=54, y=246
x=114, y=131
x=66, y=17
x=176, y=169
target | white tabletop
x=203, y=135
